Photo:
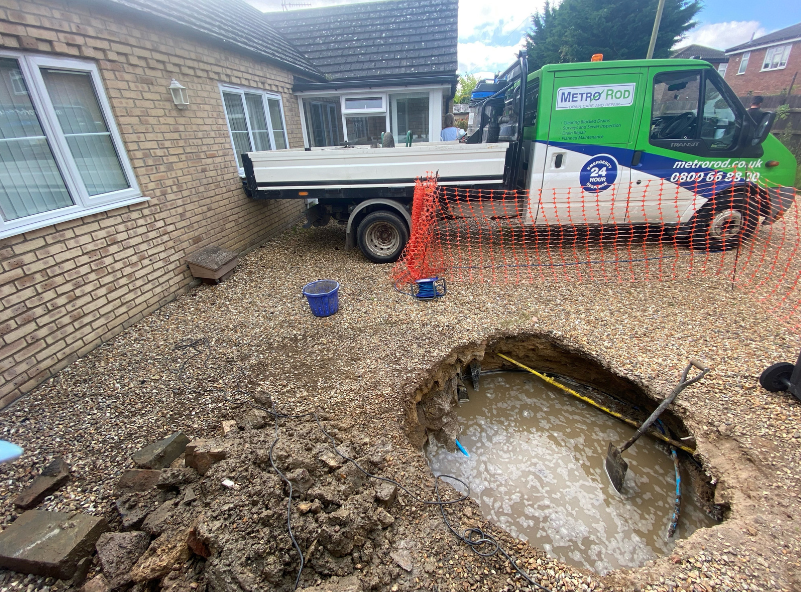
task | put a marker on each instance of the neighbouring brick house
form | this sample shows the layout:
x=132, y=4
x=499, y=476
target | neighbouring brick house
x=766, y=65
x=716, y=57
x=105, y=184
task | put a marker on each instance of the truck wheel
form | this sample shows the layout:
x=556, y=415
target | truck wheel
x=723, y=225
x=382, y=236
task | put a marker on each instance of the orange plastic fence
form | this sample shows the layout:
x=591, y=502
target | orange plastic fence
x=703, y=225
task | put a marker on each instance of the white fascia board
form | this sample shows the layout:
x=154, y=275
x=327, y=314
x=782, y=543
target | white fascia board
x=383, y=89
x=763, y=46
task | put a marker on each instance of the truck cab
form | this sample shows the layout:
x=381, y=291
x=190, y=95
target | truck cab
x=640, y=142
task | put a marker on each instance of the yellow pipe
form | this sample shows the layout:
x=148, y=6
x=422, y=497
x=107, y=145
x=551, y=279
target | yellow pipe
x=570, y=391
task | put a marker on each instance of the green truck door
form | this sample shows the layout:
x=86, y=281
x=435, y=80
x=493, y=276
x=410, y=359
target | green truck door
x=593, y=124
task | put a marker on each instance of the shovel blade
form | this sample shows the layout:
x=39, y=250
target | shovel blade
x=616, y=467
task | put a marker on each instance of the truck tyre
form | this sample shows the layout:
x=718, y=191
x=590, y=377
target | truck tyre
x=382, y=236
x=723, y=224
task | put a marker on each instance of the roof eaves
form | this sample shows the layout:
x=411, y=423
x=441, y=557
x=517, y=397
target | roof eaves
x=171, y=21
x=748, y=47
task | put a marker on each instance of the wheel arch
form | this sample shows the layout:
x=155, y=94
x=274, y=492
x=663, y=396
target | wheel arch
x=368, y=206
x=746, y=189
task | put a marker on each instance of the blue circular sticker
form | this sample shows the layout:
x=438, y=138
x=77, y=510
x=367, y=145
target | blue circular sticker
x=599, y=174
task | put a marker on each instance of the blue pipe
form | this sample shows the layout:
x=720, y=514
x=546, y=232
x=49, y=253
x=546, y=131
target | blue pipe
x=462, y=448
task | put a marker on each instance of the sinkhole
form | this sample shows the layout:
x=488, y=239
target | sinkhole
x=536, y=458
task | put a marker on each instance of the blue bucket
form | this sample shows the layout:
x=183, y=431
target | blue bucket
x=323, y=297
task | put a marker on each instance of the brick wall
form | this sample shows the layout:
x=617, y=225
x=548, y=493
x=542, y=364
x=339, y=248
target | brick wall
x=771, y=82
x=65, y=289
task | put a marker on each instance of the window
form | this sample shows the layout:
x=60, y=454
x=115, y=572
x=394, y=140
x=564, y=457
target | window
x=323, y=121
x=695, y=106
x=744, y=62
x=776, y=57
x=372, y=104
x=365, y=130
x=674, y=113
x=719, y=127
x=722, y=69
x=410, y=113
x=61, y=156
x=255, y=121
x=364, y=104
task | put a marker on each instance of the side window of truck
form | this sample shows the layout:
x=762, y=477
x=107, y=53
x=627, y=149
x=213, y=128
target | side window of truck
x=720, y=126
x=532, y=96
x=674, y=113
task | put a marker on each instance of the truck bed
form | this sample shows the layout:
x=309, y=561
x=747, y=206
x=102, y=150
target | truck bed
x=365, y=167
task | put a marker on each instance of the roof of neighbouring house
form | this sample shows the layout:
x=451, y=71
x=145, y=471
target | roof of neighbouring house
x=700, y=51
x=791, y=32
x=232, y=22
x=374, y=39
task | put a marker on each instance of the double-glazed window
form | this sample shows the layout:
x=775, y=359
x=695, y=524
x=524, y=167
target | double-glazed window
x=255, y=121
x=776, y=57
x=61, y=156
x=744, y=62
x=691, y=106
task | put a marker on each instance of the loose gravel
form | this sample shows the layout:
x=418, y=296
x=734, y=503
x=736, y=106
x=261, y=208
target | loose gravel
x=187, y=367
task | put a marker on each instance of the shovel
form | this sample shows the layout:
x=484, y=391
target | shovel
x=616, y=467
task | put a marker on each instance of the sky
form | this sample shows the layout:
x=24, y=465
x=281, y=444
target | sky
x=491, y=32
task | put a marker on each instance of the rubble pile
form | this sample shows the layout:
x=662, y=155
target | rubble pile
x=216, y=517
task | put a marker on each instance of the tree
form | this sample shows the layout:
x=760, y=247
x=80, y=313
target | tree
x=619, y=29
x=467, y=82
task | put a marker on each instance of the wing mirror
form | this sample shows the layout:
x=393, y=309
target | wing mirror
x=763, y=128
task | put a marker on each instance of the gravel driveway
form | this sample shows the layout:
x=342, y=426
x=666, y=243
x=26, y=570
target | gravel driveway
x=363, y=363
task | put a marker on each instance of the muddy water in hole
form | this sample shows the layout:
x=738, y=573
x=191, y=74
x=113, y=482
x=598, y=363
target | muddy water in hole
x=536, y=467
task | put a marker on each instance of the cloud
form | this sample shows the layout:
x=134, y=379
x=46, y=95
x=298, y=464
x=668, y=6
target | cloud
x=723, y=35
x=484, y=60
x=477, y=17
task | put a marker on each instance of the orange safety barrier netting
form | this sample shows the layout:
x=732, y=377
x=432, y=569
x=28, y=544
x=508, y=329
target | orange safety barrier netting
x=703, y=224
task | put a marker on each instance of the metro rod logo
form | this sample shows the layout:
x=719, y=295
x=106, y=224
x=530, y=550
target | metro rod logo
x=602, y=95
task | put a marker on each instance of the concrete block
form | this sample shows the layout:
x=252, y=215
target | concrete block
x=160, y=454
x=137, y=480
x=49, y=544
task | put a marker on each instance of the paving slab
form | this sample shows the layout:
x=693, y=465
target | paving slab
x=49, y=543
x=53, y=476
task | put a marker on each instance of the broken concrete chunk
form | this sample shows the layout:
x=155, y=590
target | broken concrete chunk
x=49, y=544
x=160, y=454
x=118, y=552
x=386, y=493
x=161, y=555
x=133, y=510
x=137, y=480
x=384, y=518
x=402, y=558
x=53, y=476
x=196, y=543
x=264, y=400
x=176, y=478
x=201, y=455
x=301, y=480
x=229, y=427
x=158, y=520
x=96, y=584
x=253, y=419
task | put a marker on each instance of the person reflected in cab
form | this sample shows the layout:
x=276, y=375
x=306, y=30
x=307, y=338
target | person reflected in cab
x=449, y=132
x=755, y=110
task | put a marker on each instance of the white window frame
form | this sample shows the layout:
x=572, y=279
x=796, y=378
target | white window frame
x=376, y=110
x=242, y=90
x=722, y=67
x=771, y=52
x=84, y=204
x=743, y=63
